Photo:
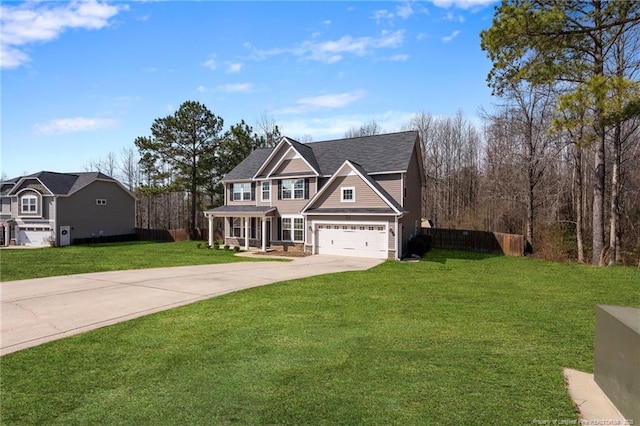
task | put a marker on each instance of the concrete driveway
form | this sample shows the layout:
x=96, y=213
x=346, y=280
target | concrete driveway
x=45, y=309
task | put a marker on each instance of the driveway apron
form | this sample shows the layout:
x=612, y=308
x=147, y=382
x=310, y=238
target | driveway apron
x=41, y=310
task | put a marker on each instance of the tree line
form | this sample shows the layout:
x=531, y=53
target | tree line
x=557, y=159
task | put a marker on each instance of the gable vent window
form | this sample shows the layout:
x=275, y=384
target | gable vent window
x=101, y=202
x=348, y=194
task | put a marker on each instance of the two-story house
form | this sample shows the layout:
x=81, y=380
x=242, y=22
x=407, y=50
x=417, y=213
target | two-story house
x=48, y=207
x=352, y=197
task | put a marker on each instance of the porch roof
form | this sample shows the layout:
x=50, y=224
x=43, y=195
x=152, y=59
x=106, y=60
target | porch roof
x=247, y=211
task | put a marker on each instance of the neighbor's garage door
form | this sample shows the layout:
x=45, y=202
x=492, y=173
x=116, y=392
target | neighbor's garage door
x=33, y=236
x=359, y=240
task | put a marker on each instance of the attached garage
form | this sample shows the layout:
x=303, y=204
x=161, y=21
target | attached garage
x=33, y=236
x=352, y=239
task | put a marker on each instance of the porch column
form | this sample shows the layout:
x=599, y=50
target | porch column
x=264, y=234
x=210, y=230
x=246, y=234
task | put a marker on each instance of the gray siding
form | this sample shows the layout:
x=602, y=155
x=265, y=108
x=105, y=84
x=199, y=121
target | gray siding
x=392, y=183
x=5, y=206
x=365, y=196
x=296, y=165
x=87, y=219
x=413, y=200
x=291, y=206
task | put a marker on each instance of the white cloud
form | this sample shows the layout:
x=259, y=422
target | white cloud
x=201, y=88
x=451, y=36
x=211, y=64
x=73, y=125
x=234, y=68
x=329, y=101
x=35, y=22
x=405, y=10
x=395, y=58
x=462, y=4
x=381, y=14
x=452, y=17
x=332, y=51
x=235, y=88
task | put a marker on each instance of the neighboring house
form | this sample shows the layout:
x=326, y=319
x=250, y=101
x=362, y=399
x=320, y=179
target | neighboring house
x=48, y=207
x=352, y=197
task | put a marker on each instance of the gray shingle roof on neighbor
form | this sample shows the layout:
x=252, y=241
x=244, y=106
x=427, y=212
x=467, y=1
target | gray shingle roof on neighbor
x=65, y=183
x=390, y=152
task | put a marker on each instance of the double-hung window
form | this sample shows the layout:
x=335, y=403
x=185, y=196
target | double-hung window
x=241, y=191
x=292, y=189
x=293, y=229
x=29, y=204
x=266, y=191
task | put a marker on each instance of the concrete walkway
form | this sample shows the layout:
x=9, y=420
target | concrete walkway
x=45, y=309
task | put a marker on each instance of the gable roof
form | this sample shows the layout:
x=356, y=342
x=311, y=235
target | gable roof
x=64, y=183
x=386, y=153
x=395, y=207
x=303, y=150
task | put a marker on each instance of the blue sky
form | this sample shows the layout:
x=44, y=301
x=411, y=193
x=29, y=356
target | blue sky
x=83, y=79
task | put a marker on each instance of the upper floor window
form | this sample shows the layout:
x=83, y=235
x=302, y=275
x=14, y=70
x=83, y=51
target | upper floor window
x=241, y=191
x=292, y=189
x=266, y=191
x=29, y=203
x=348, y=194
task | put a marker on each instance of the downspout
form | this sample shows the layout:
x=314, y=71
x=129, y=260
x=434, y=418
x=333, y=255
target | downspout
x=396, y=239
x=402, y=189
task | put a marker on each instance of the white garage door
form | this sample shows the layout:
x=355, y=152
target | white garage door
x=33, y=236
x=359, y=240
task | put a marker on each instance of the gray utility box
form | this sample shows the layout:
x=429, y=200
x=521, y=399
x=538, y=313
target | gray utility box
x=617, y=357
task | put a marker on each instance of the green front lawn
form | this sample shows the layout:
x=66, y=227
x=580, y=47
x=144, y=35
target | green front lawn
x=17, y=264
x=457, y=338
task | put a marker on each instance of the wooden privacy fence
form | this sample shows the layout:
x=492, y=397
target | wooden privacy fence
x=168, y=235
x=480, y=241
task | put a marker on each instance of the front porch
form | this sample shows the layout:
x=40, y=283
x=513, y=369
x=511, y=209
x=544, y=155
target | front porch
x=244, y=226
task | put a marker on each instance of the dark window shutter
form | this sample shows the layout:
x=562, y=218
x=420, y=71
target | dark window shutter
x=279, y=193
x=253, y=191
x=279, y=228
x=230, y=192
x=306, y=189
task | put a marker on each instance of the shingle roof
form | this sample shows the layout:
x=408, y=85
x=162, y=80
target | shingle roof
x=250, y=165
x=65, y=183
x=375, y=154
x=378, y=153
x=307, y=152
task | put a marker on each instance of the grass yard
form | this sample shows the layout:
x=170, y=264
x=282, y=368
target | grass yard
x=17, y=264
x=456, y=339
